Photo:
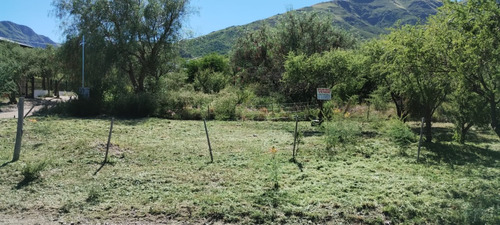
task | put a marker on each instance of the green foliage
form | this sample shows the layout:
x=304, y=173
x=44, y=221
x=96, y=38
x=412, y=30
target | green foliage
x=337, y=69
x=209, y=81
x=259, y=56
x=211, y=62
x=399, y=133
x=134, y=105
x=134, y=34
x=225, y=106
x=465, y=109
x=380, y=99
x=341, y=133
x=32, y=172
x=475, y=57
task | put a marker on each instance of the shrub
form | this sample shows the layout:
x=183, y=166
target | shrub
x=83, y=107
x=399, y=132
x=32, y=172
x=210, y=82
x=225, y=107
x=134, y=105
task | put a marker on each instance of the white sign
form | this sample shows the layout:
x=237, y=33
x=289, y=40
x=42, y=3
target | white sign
x=324, y=94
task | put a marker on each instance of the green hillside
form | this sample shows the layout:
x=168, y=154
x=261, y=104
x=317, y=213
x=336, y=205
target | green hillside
x=365, y=18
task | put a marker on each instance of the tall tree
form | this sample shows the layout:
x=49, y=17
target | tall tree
x=476, y=49
x=259, y=56
x=141, y=34
x=340, y=70
x=416, y=66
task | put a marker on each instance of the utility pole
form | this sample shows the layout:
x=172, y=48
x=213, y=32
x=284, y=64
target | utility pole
x=83, y=62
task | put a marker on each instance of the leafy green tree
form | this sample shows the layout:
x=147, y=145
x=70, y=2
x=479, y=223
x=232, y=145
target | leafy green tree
x=15, y=63
x=209, y=74
x=465, y=109
x=213, y=62
x=339, y=70
x=259, y=56
x=252, y=59
x=475, y=25
x=9, y=67
x=415, y=64
x=140, y=35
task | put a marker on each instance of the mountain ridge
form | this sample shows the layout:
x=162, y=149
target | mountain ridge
x=364, y=18
x=24, y=34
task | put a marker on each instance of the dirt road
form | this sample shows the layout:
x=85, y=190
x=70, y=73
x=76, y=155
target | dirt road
x=10, y=111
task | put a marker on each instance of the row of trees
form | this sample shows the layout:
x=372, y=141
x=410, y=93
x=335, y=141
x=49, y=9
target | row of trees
x=18, y=65
x=449, y=63
x=451, y=59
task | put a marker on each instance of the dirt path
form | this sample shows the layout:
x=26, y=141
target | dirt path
x=10, y=111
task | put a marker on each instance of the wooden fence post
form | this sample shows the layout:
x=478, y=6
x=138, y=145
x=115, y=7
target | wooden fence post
x=107, y=147
x=109, y=140
x=208, y=140
x=295, y=136
x=19, y=135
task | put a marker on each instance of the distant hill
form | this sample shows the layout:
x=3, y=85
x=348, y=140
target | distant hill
x=364, y=18
x=24, y=35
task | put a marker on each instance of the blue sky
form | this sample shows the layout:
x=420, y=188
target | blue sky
x=211, y=15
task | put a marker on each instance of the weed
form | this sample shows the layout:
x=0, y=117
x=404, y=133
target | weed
x=31, y=173
x=341, y=133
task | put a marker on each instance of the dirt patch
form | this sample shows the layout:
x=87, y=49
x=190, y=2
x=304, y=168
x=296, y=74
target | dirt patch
x=30, y=106
x=114, y=149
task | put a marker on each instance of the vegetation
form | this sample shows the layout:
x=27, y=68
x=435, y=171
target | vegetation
x=350, y=169
x=366, y=19
x=159, y=172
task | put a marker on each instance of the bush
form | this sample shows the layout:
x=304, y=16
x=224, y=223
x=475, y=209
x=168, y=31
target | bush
x=32, y=172
x=134, y=105
x=183, y=104
x=225, y=107
x=399, y=132
x=210, y=82
x=83, y=107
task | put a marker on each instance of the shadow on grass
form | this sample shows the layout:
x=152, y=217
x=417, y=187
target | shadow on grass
x=25, y=182
x=455, y=154
x=299, y=164
x=5, y=164
x=443, y=134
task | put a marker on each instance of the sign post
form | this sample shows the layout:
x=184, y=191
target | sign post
x=323, y=94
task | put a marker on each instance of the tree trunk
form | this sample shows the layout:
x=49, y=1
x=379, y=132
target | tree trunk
x=493, y=113
x=56, y=88
x=33, y=87
x=12, y=98
x=428, y=129
x=463, y=132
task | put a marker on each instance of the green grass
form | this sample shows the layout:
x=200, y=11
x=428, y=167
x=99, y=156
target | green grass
x=159, y=171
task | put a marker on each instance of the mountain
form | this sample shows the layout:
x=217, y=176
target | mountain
x=365, y=18
x=23, y=34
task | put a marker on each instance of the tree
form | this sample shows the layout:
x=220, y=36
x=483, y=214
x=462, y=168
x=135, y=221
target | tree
x=415, y=64
x=139, y=34
x=9, y=70
x=339, y=70
x=465, y=109
x=259, y=56
x=476, y=49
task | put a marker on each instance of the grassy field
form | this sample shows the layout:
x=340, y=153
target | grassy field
x=160, y=172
